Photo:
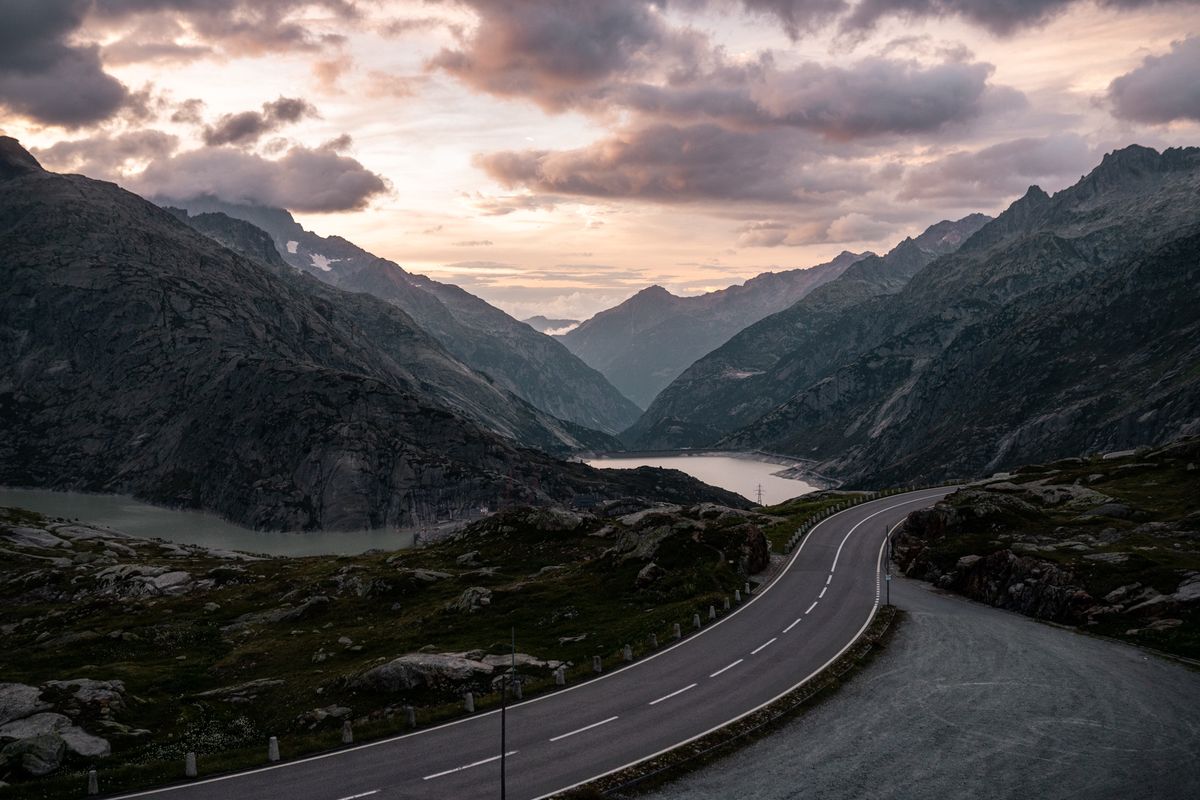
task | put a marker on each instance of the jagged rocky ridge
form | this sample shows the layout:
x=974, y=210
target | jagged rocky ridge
x=140, y=357
x=527, y=363
x=645, y=342
x=762, y=366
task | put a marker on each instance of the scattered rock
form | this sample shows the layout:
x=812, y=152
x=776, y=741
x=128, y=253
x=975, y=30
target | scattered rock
x=18, y=700
x=438, y=671
x=472, y=599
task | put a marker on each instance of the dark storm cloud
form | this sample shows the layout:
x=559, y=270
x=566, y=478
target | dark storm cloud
x=1000, y=17
x=47, y=76
x=1163, y=89
x=303, y=180
x=43, y=75
x=660, y=162
x=797, y=16
x=1001, y=171
x=557, y=54
x=236, y=26
x=875, y=96
x=247, y=127
x=107, y=156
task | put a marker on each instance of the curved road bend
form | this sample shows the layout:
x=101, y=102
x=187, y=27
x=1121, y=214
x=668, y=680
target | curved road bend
x=790, y=629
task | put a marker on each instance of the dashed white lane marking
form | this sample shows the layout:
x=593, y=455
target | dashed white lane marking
x=763, y=646
x=827, y=580
x=810, y=608
x=824, y=589
x=360, y=794
x=584, y=728
x=794, y=624
x=729, y=666
x=467, y=766
x=672, y=694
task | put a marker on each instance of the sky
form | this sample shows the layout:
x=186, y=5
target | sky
x=555, y=157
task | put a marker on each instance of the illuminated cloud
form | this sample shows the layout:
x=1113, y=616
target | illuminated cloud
x=1163, y=89
x=302, y=180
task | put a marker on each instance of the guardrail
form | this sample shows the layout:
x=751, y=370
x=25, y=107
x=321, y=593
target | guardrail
x=859, y=499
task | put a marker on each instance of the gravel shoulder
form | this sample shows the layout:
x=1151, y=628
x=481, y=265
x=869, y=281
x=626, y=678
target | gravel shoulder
x=973, y=702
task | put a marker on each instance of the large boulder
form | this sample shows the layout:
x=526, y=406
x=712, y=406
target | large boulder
x=437, y=671
x=36, y=756
x=46, y=724
x=472, y=599
x=102, y=697
x=18, y=700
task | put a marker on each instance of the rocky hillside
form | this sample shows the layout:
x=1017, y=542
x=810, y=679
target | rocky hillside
x=141, y=357
x=125, y=653
x=1111, y=545
x=645, y=342
x=766, y=363
x=535, y=367
x=1069, y=325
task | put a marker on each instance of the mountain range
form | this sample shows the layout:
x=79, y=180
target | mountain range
x=1069, y=324
x=533, y=366
x=140, y=356
x=645, y=342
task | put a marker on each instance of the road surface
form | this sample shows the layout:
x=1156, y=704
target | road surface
x=818, y=604
x=972, y=702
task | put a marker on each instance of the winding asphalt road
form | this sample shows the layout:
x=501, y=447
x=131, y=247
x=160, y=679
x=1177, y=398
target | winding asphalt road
x=813, y=610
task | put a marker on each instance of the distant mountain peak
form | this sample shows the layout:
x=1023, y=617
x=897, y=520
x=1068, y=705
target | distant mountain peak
x=15, y=160
x=654, y=291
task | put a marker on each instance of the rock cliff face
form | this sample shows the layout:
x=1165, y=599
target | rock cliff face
x=535, y=367
x=644, y=343
x=1070, y=324
x=138, y=356
x=763, y=365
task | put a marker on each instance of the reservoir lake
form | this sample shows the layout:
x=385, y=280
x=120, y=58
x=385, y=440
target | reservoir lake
x=737, y=473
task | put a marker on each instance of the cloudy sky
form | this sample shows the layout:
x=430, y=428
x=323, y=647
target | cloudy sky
x=557, y=156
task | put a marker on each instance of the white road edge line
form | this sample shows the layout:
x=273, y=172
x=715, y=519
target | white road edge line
x=943, y=490
x=827, y=580
x=763, y=646
x=806, y=679
x=672, y=694
x=810, y=608
x=360, y=794
x=794, y=624
x=824, y=589
x=584, y=728
x=479, y=763
x=728, y=666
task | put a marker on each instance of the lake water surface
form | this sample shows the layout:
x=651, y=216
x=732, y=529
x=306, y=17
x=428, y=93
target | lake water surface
x=194, y=527
x=741, y=474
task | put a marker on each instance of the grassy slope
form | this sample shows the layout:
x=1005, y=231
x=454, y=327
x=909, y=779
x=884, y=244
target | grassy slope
x=169, y=649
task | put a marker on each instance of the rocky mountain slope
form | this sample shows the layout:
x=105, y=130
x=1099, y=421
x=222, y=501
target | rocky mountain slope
x=527, y=363
x=141, y=357
x=645, y=342
x=764, y=364
x=1110, y=544
x=1069, y=325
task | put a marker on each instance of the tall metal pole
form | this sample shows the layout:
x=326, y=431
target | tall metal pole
x=504, y=679
x=888, y=577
